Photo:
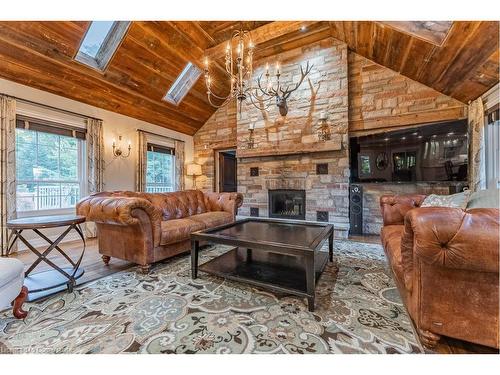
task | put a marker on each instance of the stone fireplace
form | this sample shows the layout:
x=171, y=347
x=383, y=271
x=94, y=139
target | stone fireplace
x=287, y=204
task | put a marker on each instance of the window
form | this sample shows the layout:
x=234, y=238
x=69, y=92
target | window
x=49, y=170
x=183, y=84
x=492, y=148
x=160, y=169
x=100, y=43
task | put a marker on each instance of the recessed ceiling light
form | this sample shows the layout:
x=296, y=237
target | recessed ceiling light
x=303, y=28
x=416, y=133
x=434, y=136
x=420, y=136
x=386, y=139
x=403, y=138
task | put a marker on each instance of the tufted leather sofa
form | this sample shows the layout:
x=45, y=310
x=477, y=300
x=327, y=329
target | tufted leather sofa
x=147, y=227
x=445, y=262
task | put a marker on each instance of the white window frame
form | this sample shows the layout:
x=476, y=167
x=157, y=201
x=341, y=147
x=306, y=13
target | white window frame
x=154, y=184
x=82, y=177
x=161, y=141
x=492, y=153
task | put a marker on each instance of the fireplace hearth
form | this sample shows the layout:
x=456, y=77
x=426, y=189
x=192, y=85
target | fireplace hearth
x=287, y=204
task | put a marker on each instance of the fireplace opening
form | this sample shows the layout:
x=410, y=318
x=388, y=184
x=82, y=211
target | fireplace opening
x=287, y=204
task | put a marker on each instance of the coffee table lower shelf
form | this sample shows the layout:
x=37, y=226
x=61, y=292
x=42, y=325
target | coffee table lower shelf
x=278, y=272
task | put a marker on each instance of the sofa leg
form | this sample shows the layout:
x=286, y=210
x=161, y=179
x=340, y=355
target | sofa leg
x=106, y=259
x=145, y=269
x=17, y=304
x=428, y=338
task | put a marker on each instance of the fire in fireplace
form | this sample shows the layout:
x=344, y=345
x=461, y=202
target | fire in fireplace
x=287, y=204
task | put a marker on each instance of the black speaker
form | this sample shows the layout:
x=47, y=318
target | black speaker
x=356, y=209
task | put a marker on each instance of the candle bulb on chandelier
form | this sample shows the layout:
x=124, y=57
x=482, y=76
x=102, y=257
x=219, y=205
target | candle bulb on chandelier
x=277, y=68
x=206, y=62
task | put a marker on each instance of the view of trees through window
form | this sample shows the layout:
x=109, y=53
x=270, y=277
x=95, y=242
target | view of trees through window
x=160, y=172
x=48, y=170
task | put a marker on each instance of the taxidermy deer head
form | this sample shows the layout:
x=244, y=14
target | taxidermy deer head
x=281, y=94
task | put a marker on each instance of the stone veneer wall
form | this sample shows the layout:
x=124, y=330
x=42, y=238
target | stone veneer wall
x=219, y=132
x=381, y=98
x=296, y=135
x=377, y=98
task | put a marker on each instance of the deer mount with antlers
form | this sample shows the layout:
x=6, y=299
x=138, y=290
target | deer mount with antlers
x=279, y=93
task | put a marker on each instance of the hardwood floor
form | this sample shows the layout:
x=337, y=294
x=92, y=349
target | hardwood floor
x=95, y=269
x=91, y=263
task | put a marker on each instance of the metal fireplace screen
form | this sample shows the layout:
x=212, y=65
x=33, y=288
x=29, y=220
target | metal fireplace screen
x=287, y=204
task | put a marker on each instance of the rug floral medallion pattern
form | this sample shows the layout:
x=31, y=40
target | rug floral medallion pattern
x=358, y=310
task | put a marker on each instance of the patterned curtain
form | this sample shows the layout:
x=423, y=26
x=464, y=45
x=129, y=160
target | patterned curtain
x=7, y=166
x=95, y=164
x=477, y=172
x=179, y=165
x=142, y=158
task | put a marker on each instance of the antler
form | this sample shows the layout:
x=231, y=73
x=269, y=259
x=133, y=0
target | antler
x=269, y=91
x=287, y=92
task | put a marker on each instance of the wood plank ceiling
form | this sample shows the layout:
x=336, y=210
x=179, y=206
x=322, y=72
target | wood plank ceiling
x=459, y=59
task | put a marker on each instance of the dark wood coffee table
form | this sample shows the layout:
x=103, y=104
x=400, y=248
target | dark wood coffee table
x=283, y=256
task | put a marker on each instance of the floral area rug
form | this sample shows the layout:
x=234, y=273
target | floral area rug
x=358, y=310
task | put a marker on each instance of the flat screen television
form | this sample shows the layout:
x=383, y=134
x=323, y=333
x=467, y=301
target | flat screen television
x=431, y=153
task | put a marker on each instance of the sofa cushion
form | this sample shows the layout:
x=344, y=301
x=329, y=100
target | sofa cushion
x=214, y=218
x=488, y=198
x=391, y=239
x=178, y=230
x=458, y=200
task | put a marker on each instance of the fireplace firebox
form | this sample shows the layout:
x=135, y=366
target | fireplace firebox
x=287, y=204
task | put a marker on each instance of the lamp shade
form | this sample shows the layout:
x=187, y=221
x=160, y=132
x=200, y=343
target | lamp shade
x=194, y=170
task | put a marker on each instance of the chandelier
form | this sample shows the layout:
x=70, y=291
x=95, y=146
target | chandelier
x=238, y=66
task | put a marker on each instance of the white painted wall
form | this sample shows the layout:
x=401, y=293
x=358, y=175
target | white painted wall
x=119, y=173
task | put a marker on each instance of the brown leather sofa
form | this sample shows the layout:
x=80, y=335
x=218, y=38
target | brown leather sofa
x=445, y=262
x=144, y=228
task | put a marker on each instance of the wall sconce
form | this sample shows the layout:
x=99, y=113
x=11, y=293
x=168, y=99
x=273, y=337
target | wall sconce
x=323, y=128
x=250, y=141
x=194, y=170
x=117, y=151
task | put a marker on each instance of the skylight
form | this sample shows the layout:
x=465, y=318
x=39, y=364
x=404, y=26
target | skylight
x=183, y=84
x=95, y=36
x=100, y=42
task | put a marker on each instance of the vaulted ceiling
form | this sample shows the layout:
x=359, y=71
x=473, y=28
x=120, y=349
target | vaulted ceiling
x=459, y=59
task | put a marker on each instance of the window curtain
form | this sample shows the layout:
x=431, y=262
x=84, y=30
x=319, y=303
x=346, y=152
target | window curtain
x=7, y=166
x=179, y=165
x=142, y=159
x=477, y=169
x=95, y=164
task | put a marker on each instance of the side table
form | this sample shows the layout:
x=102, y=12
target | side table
x=43, y=283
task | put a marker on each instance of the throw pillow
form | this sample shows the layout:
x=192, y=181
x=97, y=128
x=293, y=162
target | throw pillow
x=454, y=201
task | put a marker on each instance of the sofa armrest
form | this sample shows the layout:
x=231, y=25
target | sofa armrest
x=452, y=238
x=229, y=202
x=395, y=207
x=121, y=211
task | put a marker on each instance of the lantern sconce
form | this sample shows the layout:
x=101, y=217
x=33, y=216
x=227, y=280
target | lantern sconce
x=323, y=128
x=250, y=141
x=117, y=151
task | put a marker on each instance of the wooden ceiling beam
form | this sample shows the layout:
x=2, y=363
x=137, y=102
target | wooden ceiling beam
x=47, y=61
x=262, y=34
x=43, y=51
